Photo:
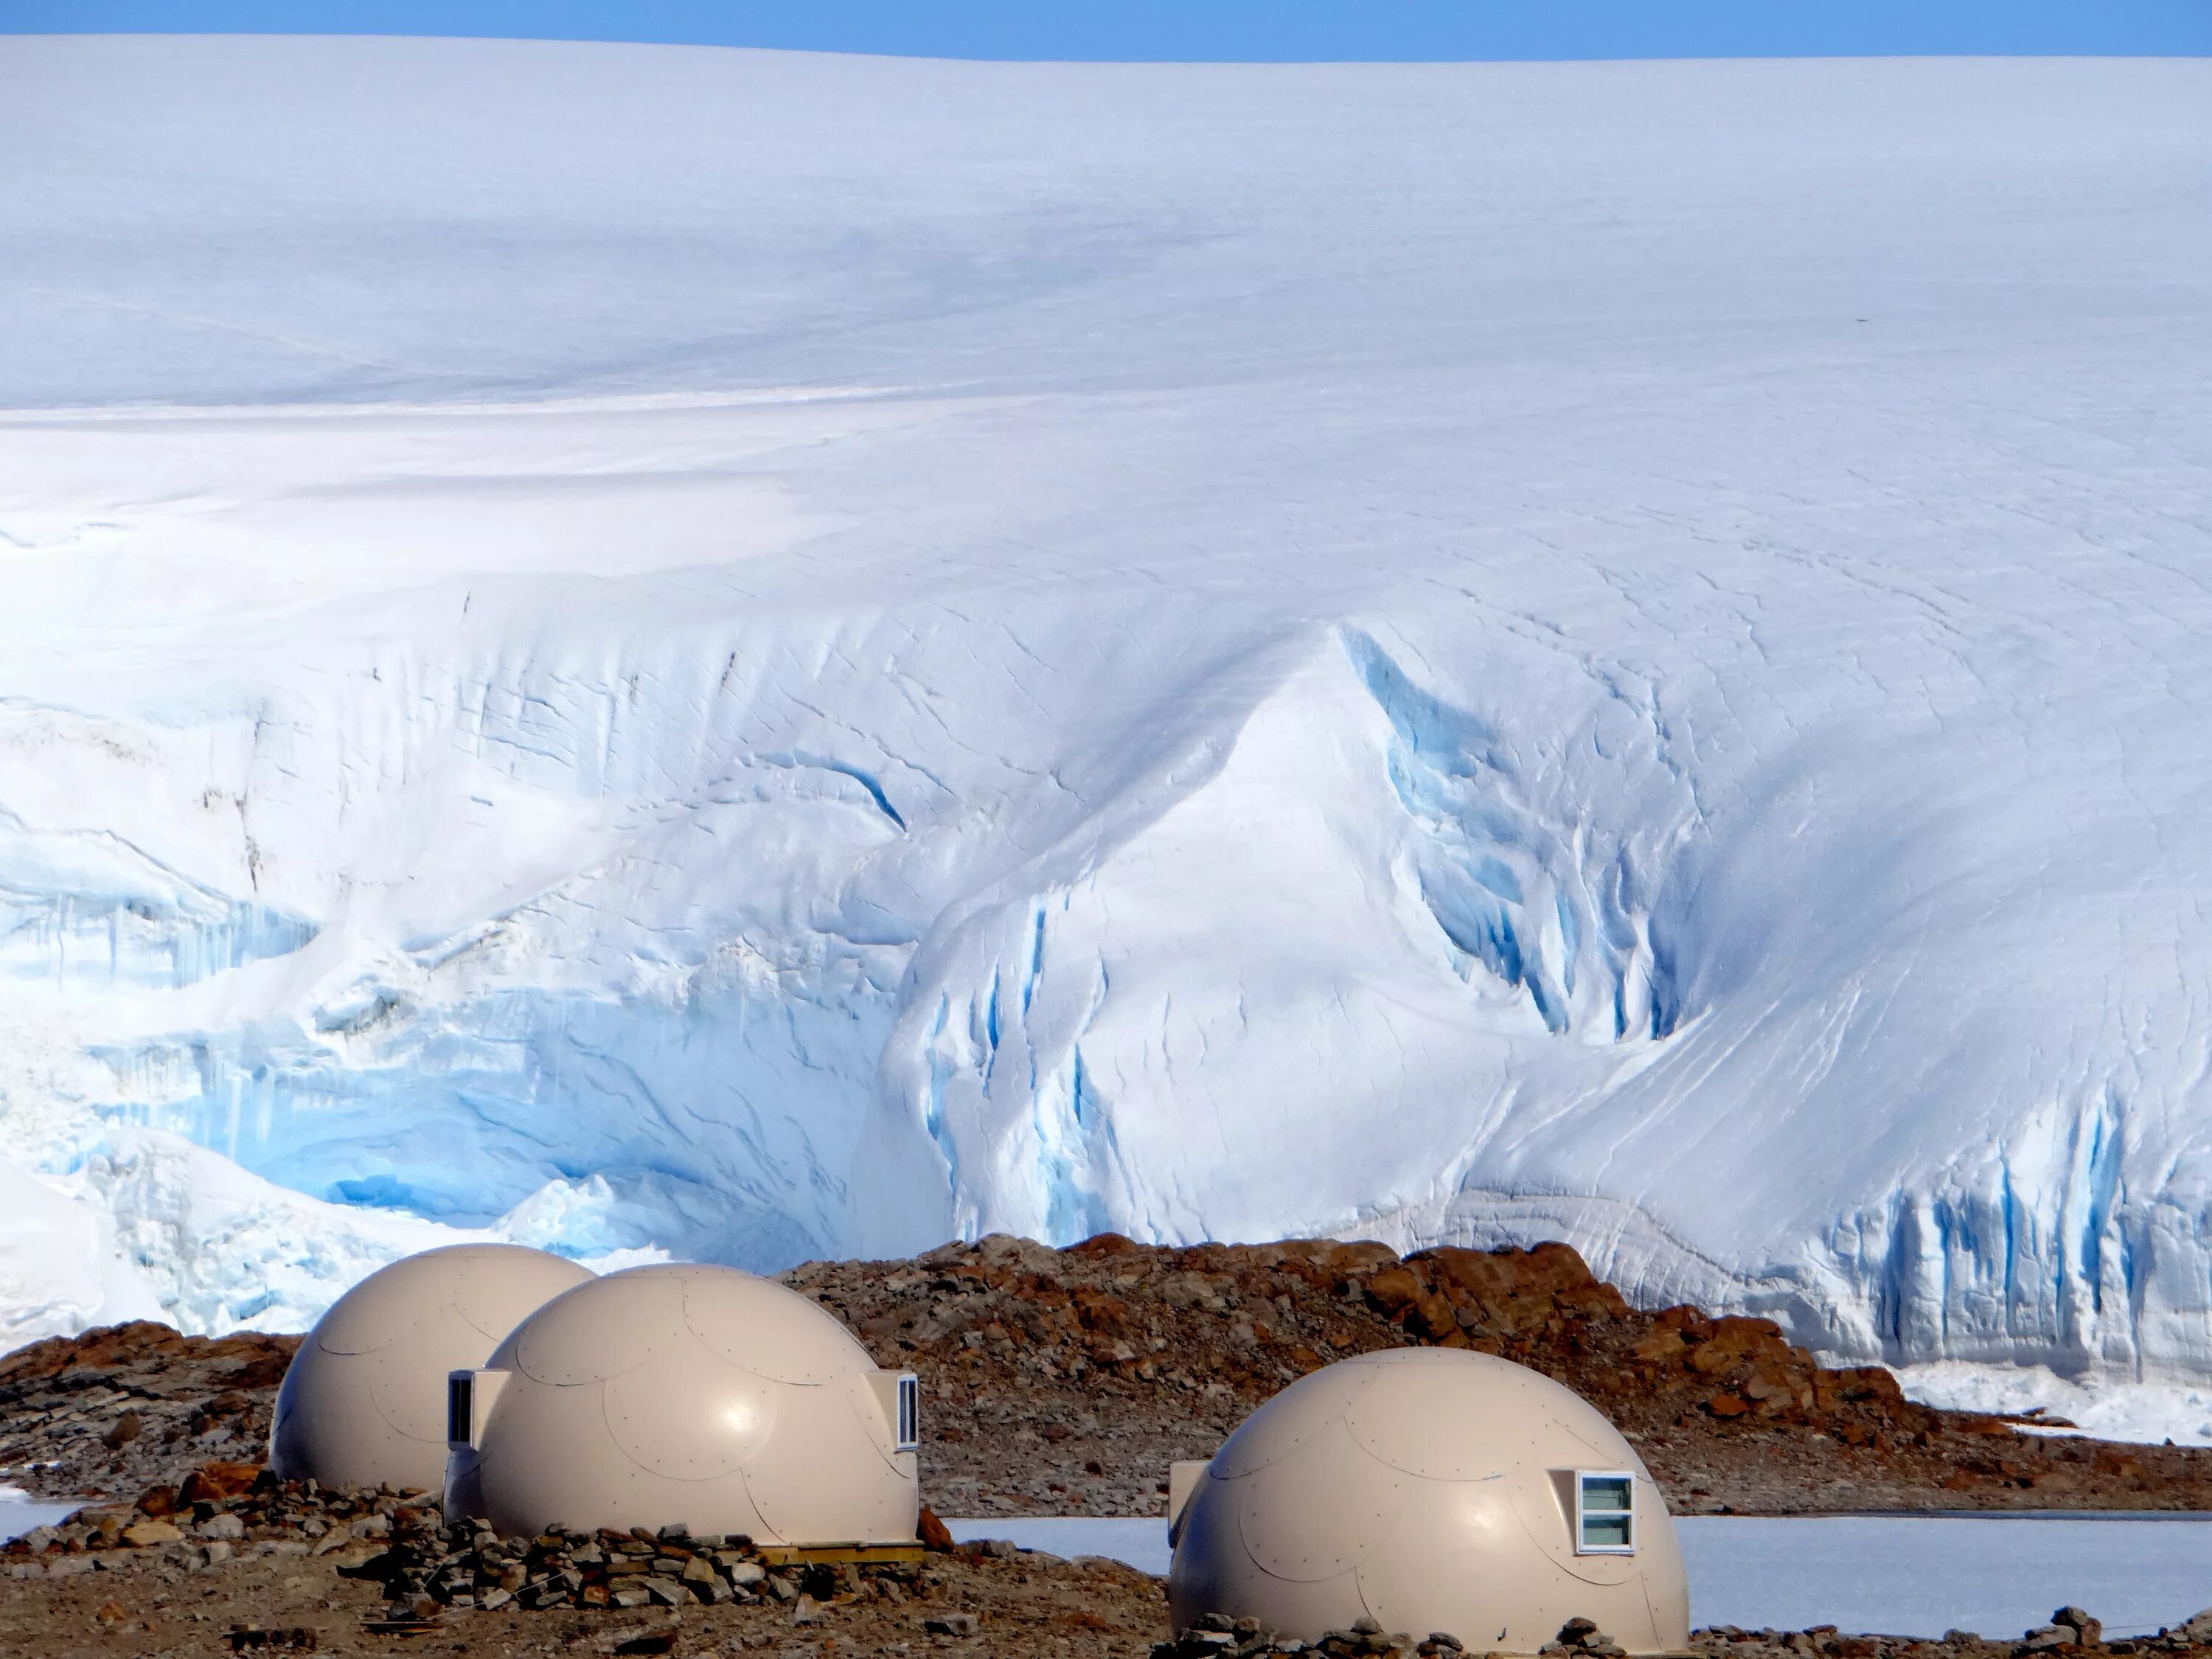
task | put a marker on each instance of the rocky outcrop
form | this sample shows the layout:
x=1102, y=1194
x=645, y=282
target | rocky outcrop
x=1066, y=1381
x=125, y=1407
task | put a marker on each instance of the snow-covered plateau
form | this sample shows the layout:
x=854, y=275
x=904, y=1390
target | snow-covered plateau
x=750, y=656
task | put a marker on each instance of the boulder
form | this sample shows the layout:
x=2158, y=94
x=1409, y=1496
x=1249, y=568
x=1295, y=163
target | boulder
x=933, y=1531
x=2087, y=1631
x=217, y=1482
x=2196, y=1630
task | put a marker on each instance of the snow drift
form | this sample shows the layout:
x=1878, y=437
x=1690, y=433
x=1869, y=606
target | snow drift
x=755, y=656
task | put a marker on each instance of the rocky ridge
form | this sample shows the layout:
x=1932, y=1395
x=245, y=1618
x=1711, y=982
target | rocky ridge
x=125, y=1408
x=1066, y=1381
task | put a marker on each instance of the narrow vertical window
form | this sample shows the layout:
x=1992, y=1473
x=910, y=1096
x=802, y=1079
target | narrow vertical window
x=1605, y=1512
x=460, y=1408
x=909, y=1412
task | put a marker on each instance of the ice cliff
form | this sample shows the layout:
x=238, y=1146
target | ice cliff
x=753, y=656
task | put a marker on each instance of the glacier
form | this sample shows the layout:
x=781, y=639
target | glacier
x=747, y=655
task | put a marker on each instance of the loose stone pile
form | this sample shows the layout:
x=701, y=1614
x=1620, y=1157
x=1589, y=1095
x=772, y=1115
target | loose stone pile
x=2192, y=1633
x=400, y=1541
x=1581, y=1636
x=1217, y=1635
x=429, y=1566
x=2070, y=1631
x=217, y=1510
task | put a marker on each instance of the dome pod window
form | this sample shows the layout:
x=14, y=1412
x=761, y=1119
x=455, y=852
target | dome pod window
x=1605, y=1512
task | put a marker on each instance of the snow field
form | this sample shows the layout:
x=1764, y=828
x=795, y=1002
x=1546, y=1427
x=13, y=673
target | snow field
x=753, y=656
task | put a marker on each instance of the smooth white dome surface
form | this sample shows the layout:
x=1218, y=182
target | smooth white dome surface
x=1430, y=1489
x=693, y=1394
x=363, y=1402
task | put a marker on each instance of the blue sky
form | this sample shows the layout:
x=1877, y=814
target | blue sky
x=1218, y=29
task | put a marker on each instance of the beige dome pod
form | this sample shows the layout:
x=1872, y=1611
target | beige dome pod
x=696, y=1396
x=363, y=1402
x=1429, y=1489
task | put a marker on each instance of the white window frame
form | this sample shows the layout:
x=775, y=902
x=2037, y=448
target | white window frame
x=1582, y=1478
x=908, y=1434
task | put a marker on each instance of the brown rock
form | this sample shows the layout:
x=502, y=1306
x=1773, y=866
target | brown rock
x=362, y=1558
x=933, y=1531
x=1098, y=1311
x=108, y=1529
x=100, y=1347
x=1431, y=1315
x=1392, y=1288
x=1735, y=1339
x=2087, y=1631
x=218, y=1481
x=1343, y=1259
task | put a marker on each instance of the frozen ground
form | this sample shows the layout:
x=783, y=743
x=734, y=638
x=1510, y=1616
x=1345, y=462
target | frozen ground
x=1895, y=1575
x=758, y=656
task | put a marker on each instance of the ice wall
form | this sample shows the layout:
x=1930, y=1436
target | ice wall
x=759, y=656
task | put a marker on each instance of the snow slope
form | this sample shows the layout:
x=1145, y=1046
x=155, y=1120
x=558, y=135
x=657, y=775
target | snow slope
x=758, y=655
